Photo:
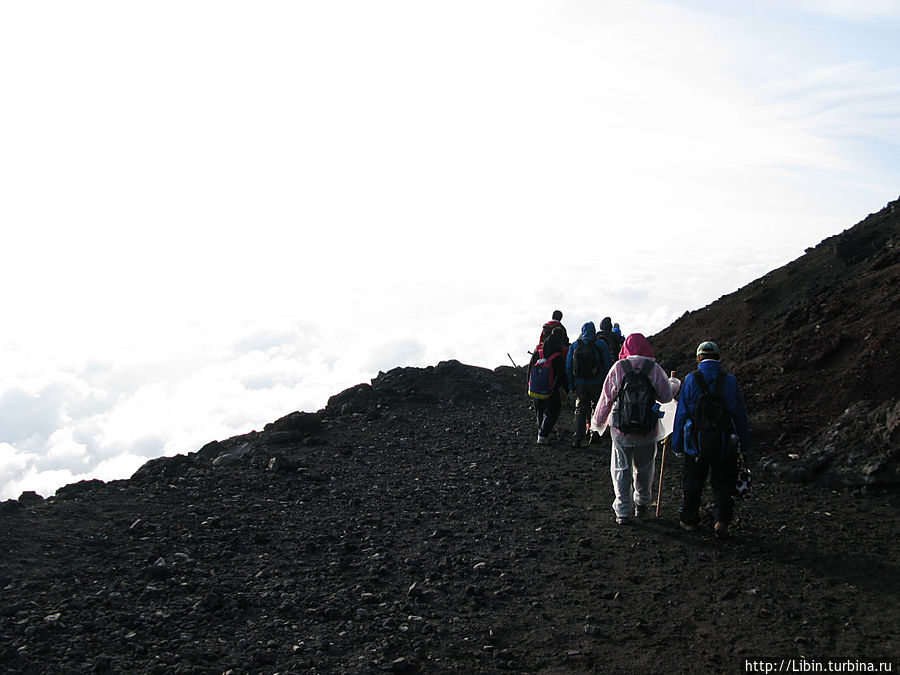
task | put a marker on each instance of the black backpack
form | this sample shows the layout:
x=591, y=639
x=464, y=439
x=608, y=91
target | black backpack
x=613, y=341
x=634, y=413
x=711, y=423
x=585, y=360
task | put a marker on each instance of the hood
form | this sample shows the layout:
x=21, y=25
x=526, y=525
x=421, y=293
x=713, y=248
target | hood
x=606, y=324
x=551, y=345
x=588, y=332
x=636, y=345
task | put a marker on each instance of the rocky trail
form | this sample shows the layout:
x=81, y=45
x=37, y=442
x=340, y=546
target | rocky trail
x=431, y=537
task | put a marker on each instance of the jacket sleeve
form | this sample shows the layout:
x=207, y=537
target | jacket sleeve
x=534, y=358
x=662, y=384
x=560, y=374
x=570, y=374
x=607, y=359
x=600, y=419
x=685, y=405
x=739, y=414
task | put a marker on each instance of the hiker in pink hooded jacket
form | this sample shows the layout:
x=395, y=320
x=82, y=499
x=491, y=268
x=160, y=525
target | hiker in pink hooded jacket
x=632, y=461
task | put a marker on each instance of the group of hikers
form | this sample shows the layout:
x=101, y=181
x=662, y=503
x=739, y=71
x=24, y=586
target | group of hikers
x=618, y=385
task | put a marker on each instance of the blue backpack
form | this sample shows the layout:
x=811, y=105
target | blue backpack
x=542, y=379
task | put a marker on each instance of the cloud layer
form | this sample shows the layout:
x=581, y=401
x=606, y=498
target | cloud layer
x=216, y=215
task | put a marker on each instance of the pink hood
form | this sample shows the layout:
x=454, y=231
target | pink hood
x=636, y=345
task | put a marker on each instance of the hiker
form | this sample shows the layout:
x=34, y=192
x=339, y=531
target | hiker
x=554, y=323
x=613, y=340
x=587, y=363
x=710, y=446
x=632, y=387
x=546, y=376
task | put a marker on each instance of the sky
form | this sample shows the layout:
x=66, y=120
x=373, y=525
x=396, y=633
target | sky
x=217, y=213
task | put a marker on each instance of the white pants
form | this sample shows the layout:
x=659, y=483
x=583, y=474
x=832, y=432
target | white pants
x=632, y=467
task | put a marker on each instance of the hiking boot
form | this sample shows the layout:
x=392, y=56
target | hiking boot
x=721, y=530
x=623, y=520
x=640, y=510
x=688, y=527
x=543, y=440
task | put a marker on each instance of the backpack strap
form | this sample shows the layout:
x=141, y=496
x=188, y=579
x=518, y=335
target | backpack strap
x=719, y=384
x=701, y=381
x=626, y=365
x=646, y=368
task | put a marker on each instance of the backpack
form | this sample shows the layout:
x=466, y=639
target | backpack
x=542, y=379
x=613, y=341
x=585, y=361
x=634, y=413
x=711, y=422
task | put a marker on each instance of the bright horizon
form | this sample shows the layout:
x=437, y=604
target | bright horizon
x=218, y=213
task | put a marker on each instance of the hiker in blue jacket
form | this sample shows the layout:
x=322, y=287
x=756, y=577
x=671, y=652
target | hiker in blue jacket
x=587, y=363
x=721, y=459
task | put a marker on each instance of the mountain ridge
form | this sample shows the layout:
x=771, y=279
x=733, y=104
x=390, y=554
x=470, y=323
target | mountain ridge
x=813, y=346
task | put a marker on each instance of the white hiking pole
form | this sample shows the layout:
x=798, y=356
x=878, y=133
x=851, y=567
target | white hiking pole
x=662, y=467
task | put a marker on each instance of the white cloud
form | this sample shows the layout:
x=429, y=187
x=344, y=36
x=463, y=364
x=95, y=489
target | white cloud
x=286, y=199
x=120, y=466
x=64, y=450
x=13, y=463
x=45, y=483
x=854, y=10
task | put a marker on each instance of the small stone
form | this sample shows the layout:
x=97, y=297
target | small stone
x=400, y=665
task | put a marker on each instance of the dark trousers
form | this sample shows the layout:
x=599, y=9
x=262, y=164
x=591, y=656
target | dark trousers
x=547, y=411
x=586, y=397
x=722, y=467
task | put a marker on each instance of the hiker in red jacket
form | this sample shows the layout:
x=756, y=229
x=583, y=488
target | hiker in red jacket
x=553, y=324
x=547, y=404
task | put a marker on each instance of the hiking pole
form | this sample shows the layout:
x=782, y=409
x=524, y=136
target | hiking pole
x=511, y=359
x=662, y=468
